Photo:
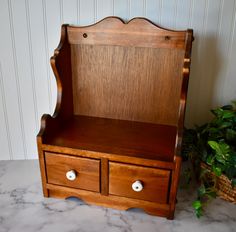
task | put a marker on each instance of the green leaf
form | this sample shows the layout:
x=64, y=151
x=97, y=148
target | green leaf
x=212, y=194
x=213, y=130
x=220, y=158
x=214, y=145
x=228, y=114
x=197, y=204
x=224, y=147
x=210, y=160
x=218, y=112
x=198, y=212
x=201, y=190
x=216, y=170
x=224, y=125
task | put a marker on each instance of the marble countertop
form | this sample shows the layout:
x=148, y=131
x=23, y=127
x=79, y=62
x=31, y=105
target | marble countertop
x=23, y=208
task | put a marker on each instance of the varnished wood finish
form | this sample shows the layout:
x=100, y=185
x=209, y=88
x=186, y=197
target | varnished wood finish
x=137, y=32
x=87, y=171
x=155, y=182
x=122, y=203
x=174, y=185
x=143, y=85
x=112, y=157
x=127, y=138
x=104, y=176
x=61, y=65
x=184, y=89
x=42, y=166
x=119, y=117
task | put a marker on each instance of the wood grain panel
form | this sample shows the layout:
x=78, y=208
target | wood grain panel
x=137, y=33
x=155, y=182
x=122, y=203
x=98, y=85
x=88, y=171
x=104, y=176
x=144, y=83
x=45, y=20
x=125, y=138
x=155, y=163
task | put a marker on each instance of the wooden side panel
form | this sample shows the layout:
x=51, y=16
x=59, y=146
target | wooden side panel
x=42, y=167
x=155, y=182
x=139, y=84
x=174, y=186
x=87, y=171
x=61, y=66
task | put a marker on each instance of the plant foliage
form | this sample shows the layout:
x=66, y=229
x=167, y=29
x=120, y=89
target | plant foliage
x=213, y=143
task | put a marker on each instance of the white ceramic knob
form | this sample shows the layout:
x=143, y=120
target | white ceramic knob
x=71, y=175
x=137, y=186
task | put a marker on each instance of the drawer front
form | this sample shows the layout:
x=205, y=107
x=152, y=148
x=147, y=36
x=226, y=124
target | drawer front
x=73, y=172
x=139, y=182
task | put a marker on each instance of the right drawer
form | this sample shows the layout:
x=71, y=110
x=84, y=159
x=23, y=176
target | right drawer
x=138, y=182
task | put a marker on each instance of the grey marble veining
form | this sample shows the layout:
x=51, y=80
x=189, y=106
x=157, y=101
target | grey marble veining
x=23, y=208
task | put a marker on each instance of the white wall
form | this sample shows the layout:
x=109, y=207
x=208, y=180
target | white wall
x=30, y=30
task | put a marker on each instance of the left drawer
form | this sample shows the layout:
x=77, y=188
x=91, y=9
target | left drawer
x=73, y=171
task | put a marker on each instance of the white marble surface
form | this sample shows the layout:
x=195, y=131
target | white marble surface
x=23, y=208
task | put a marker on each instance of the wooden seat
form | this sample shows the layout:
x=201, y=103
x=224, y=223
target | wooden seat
x=115, y=137
x=112, y=136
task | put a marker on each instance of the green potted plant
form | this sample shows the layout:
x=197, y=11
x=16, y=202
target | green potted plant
x=212, y=150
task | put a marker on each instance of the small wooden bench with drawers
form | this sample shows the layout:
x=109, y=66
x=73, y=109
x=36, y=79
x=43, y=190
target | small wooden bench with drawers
x=115, y=137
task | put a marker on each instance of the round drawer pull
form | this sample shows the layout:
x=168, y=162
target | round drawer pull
x=137, y=186
x=71, y=175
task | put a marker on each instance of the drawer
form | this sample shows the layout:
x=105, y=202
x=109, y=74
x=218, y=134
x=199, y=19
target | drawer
x=83, y=173
x=138, y=182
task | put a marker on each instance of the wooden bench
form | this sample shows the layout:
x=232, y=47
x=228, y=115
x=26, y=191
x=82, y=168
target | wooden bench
x=115, y=137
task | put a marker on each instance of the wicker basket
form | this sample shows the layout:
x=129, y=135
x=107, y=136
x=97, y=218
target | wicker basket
x=223, y=185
